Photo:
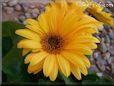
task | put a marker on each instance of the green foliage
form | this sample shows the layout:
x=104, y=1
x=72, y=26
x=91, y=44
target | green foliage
x=92, y=79
x=13, y=65
x=9, y=28
x=16, y=71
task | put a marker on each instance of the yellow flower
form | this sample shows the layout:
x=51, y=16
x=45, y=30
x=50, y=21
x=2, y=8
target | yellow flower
x=97, y=11
x=94, y=9
x=59, y=40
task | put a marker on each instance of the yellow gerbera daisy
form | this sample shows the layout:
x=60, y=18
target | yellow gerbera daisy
x=94, y=9
x=97, y=11
x=59, y=40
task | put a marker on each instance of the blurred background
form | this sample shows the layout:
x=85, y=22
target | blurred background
x=102, y=59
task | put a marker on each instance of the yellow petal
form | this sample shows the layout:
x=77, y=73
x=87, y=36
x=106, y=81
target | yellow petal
x=36, y=68
x=34, y=28
x=81, y=24
x=76, y=6
x=31, y=22
x=48, y=65
x=38, y=57
x=80, y=48
x=33, y=25
x=28, y=34
x=54, y=72
x=83, y=70
x=91, y=45
x=28, y=58
x=25, y=51
x=36, y=50
x=74, y=59
x=69, y=20
x=43, y=22
x=25, y=43
x=76, y=72
x=48, y=7
x=85, y=60
x=91, y=22
x=60, y=16
x=51, y=17
x=64, y=65
x=87, y=30
x=61, y=4
x=86, y=39
x=79, y=56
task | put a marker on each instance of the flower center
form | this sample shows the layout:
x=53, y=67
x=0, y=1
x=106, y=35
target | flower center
x=52, y=44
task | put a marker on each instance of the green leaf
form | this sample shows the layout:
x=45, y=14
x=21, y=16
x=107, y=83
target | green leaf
x=9, y=61
x=9, y=28
x=6, y=45
x=90, y=79
x=40, y=79
x=9, y=38
x=93, y=79
x=67, y=80
x=106, y=80
x=13, y=65
x=45, y=82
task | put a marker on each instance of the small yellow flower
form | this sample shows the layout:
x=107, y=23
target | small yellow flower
x=97, y=11
x=94, y=9
x=59, y=40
